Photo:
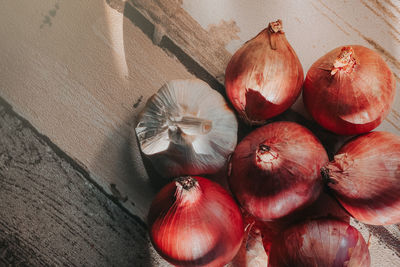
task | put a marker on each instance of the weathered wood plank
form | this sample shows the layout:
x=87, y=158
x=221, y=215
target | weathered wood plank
x=80, y=84
x=80, y=71
x=208, y=50
x=52, y=215
x=210, y=31
x=83, y=73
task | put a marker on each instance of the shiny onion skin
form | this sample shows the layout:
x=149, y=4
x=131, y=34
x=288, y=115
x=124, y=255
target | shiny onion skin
x=187, y=128
x=195, y=222
x=349, y=90
x=327, y=243
x=275, y=170
x=264, y=77
x=365, y=178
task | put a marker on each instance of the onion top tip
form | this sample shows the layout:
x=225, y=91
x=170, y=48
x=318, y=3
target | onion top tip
x=186, y=182
x=266, y=157
x=276, y=26
x=345, y=61
x=326, y=176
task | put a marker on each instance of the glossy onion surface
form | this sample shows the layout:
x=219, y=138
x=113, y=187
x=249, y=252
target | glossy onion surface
x=349, y=90
x=195, y=222
x=275, y=170
x=264, y=77
x=187, y=128
x=327, y=243
x=365, y=177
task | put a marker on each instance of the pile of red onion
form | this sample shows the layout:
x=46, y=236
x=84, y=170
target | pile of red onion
x=283, y=203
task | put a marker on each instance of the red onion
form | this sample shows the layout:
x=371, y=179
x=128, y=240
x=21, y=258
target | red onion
x=264, y=77
x=275, y=170
x=251, y=253
x=325, y=207
x=349, y=90
x=327, y=243
x=365, y=177
x=195, y=222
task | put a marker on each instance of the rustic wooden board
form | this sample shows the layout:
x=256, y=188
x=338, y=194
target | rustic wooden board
x=80, y=71
x=69, y=80
x=52, y=215
x=81, y=81
x=210, y=31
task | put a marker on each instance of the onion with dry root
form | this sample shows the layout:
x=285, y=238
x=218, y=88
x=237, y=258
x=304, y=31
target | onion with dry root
x=275, y=170
x=195, y=222
x=264, y=77
x=328, y=243
x=349, y=90
x=365, y=177
x=187, y=128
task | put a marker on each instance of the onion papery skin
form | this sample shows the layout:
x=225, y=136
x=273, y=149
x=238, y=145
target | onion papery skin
x=199, y=226
x=355, y=96
x=365, y=178
x=327, y=243
x=252, y=252
x=264, y=77
x=324, y=207
x=187, y=128
x=275, y=170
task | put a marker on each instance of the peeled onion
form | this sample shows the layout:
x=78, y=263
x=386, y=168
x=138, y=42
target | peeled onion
x=365, y=177
x=275, y=170
x=327, y=243
x=195, y=222
x=349, y=90
x=187, y=128
x=264, y=77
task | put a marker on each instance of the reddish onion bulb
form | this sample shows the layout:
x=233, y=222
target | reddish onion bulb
x=327, y=243
x=195, y=222
x=365, y=177
x=349, y=90
x=264, y=77
x=252, y=252
x=275, y=170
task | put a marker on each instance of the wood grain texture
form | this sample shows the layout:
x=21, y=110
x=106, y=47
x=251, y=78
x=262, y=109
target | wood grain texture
x=80, y=71
x=208, y=50
x=69, y=80
x=52, y=215
x=313, y=28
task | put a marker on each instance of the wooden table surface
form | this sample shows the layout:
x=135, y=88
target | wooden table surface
x=80, y=71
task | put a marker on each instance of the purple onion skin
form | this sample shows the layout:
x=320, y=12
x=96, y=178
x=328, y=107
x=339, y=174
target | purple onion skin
x=327, y=243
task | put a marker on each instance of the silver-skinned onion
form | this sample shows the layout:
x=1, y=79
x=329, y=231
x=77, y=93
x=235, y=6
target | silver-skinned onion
x=187, y=128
